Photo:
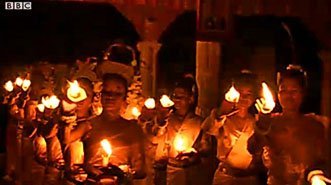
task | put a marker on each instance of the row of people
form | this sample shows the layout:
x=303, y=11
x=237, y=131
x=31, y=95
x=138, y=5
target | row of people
x=172, y=145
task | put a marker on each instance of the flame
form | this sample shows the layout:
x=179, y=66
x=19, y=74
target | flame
x=124, y=167
x=135, y=112
x=150, y=103
x=180, y=143
x=75, y=93
x=232, y=95
x=26, y=84
x=106, y=147
x=41, y=107
x=317, y=180
x=50, y=102
x=166, y=101
x=19, y=81
x=9, y=86
x=269, y=100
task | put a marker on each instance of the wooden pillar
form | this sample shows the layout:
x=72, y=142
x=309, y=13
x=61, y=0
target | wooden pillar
x=208, y=61
x=326, y=84
x=148, y=66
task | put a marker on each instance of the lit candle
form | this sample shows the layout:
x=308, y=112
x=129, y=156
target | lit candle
x=232, y=95
x=19, y=81
x=269, y=103
x=75, y=93
x=166, y=101
x=180, y=143
x=135, y=112
x=150, y=103
x=26, y=84
x=107, y=150
x=9, y=86
x=50, y=102
x=41, y=107
x=317, y=180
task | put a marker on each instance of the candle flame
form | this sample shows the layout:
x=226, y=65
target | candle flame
x=106, y=146
x=180, y=143
x=26, y=84
x=135, y=112
x=166, y=101
x=50, y=102
x=269, y=100
x=19, y=81
x=75, y=93
x=317, y=180
x=232, y=95
x=41, y=107
x=9, y=86
x=150, y=103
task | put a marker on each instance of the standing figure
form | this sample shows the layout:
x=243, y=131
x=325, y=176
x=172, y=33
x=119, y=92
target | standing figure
x=123, y=138
x=180, y=141
x=232, y=124
x=293, y=144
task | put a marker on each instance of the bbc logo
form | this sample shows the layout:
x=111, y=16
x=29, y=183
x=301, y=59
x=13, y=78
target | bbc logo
x=18, y=5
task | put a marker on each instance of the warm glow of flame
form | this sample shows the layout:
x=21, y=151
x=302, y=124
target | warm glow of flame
x=125, y=168
x=19, y=81
x=41, y=107
x=150, y=103
x=75, y=93
x=180, y=143
x=50, y=102
x=166, y=101
x=9, y=86
x=269, y=100
x=106, y=146
x=26, y=84
x=317, y=180
x=135, y=112
x=232, y=95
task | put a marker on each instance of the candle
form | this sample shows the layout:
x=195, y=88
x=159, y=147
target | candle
x=268, y=98
x=150, y=103
x=107, y=150
x=317, y=180
x=135, y=112
x=9, y=86
x=26, y=84
x=232, y=95
x=166, y=101
x=41, y=107
x=75, y=93
x=19, y=81
x=50, y=102
x=180, y=143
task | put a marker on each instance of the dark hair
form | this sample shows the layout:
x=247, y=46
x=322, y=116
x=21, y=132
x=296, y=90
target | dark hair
x=116, y=77
x=293, y=72
x=245, y=78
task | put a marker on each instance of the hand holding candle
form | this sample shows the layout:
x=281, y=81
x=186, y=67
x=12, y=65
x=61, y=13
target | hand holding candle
x=266, y=104
x=51, y=102
x=232, y=95
x=317, y=180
